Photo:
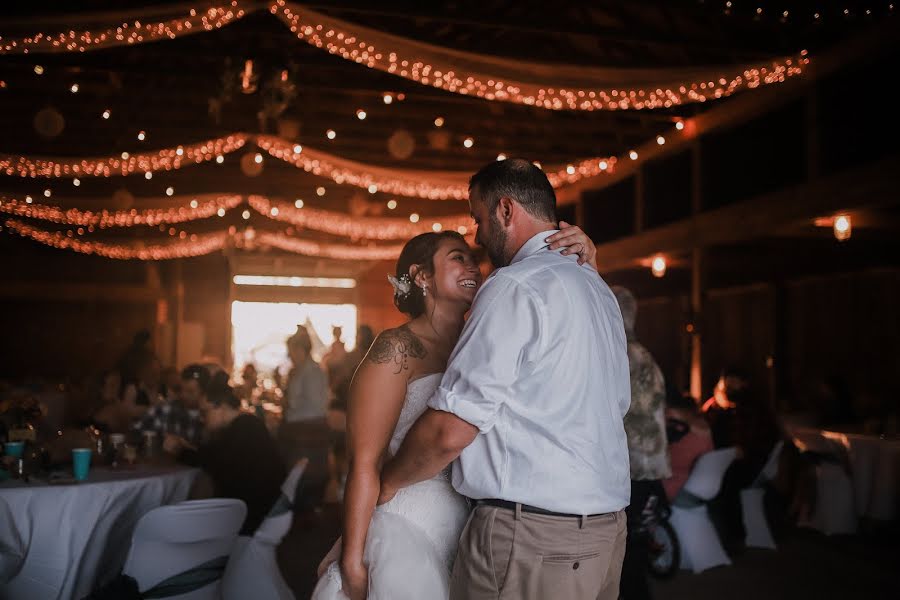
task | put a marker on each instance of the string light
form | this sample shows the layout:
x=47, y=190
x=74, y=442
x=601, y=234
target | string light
x=843, y=227
x=442, y=69
x=127, y=218
x=197, y=246
x=320, y=191
x=220, y=159
x=361, y=114
x=331, y=134
x=436, y=227
x=439, y=122
x=392, y=204
x=245, y=215
x=74, y=88
x=658, y=266
x=221, y=212
x=38, y=70
x=148, y=175
x=298, y=203
x=679, y=125
x=660, y=140
x=633, y=155
x=134, y=32
x=388, y=98
x=334, y=223
x=48, y=192
x=501, y=156
x=298, y=148
x=76, y=182
x=373, y=188
x=166, y=159
x=468, y=142
x=142, y=136
x=106, y=114
x=170, y=191
x=258, y=158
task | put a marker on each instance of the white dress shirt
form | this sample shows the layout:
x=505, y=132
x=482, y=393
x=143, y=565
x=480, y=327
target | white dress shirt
x=541, y=368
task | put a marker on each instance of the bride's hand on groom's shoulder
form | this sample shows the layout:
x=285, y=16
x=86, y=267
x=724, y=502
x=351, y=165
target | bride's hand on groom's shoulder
x=355, y=579
x=574, y=240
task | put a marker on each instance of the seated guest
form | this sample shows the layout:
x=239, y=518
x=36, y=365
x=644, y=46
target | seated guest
x=181, y=415
x=749, y=424
x=239, y=457
x=116, y=413
x=719, y=409
x=689, y=437
x=145, y=387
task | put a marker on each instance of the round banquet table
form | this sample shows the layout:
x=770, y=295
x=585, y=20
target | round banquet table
x=66, y=539
x=874, y=466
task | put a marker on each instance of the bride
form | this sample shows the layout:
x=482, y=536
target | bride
x=406, y=547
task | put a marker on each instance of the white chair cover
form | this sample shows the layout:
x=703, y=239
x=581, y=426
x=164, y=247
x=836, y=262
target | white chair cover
x=253, y=571
x=701, y=548
x=835, y=512
x=697, y=536
x=706, y=476
x=173, y=539
x=756, y=526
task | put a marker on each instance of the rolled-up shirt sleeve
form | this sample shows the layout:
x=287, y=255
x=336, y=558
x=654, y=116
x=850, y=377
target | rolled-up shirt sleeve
x=497, y=342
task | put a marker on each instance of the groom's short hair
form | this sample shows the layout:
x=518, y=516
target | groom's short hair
x=519, y=180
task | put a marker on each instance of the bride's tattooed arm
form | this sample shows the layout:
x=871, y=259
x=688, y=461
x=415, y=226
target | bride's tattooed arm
x=397, y=346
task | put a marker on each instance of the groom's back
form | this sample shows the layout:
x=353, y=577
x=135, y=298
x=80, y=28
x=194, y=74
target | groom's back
x=557, y=440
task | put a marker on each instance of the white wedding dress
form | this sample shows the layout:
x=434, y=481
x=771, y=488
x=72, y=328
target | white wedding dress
x=412, y=540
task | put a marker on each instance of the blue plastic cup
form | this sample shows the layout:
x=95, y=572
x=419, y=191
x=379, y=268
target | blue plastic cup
x=81, y=463
x=14, y=449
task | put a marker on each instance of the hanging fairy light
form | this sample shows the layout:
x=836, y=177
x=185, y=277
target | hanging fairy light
x=414, y=218
x=388, y=98
x=633, y=155
x=468, y=142
x=106, y=114
x=298, y=203
x=501, y=156
x=331, y=134
x=660, y=140
x=392, y=204
x=220, y=159
x=320, y=191
x=658, y=266
x=38, y=70
x=148, y=175
x=170, y=191
x=245, y=215
x=142, y=135
x=570, y=169
x=439, y=122
x=436, y=227
x=221, y=212
x=843, y=227
x=48, y=192
x=74, y=88
x=361, y=114
x=462, y=230
x=124, y=164
x=124, y=218
x=258, y=158
x=679, y=125
x=298, y=148
x=76, y=182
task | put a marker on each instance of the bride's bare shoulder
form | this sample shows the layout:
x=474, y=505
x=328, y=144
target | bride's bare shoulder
x=398, y=346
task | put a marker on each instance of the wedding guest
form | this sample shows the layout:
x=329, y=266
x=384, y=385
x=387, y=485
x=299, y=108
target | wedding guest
x=181, y=415
x=647, y=449
x=689, y=438
x=116, y=413
x=304, y=432
x=239, y=458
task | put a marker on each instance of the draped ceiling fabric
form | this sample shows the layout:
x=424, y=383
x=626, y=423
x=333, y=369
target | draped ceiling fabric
x=551, y=86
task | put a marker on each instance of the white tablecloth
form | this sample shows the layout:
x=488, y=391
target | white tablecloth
x=75, y=537
x=874, y=465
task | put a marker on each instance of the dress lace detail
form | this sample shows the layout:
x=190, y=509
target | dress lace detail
x=416, y=532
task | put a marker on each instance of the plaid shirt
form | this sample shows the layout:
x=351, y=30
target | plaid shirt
x=172, y=417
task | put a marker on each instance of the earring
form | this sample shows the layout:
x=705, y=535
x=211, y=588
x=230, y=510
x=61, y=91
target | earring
x=424, y=290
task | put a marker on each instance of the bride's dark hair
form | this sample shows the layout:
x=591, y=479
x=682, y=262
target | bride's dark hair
x=418, y=251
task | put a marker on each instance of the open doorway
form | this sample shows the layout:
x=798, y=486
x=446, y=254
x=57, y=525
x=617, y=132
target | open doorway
x=260, y=329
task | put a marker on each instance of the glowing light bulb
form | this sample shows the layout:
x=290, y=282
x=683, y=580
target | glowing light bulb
x=141, y=136
x=258, y=158
x=373, y=188
x=38, y=70
x=436, y=227
x=361, y=115
x=246, y=215
x=76, y=182
x=468, y=142
x=298, y=203
x=194, y=203
x=570, y=170
x=274, y=211
x=148, y=175
x=298, y=148
x=658, y=266
x=501, y=156
x=633, y=155
x=439, y=122
x=462, y=230
x=388, y=98
x=48, y=192
x=330, y=134
x=414, y=218
x=221, y=212
x=843, y=227
x=170, y=190
x=660, y=140
x=74, y=89
x=106, y=114
x=392, y=204
x=603, y=165
x=320, y=191
x=220, y=159
x=679, y=125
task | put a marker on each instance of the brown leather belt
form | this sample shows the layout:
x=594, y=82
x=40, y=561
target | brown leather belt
x=530, y=509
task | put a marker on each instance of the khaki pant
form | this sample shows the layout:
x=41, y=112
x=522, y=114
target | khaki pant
x=511, y=555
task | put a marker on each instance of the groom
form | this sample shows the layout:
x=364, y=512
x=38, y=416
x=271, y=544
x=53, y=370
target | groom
x=531, y=409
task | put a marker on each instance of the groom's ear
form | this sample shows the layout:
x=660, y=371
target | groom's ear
x=505, y=210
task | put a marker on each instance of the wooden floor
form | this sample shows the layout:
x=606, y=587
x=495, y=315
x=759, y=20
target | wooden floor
x=806, y=566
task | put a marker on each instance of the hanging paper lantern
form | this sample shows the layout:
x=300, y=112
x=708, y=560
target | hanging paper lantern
x=122, y=199
x=438, y=140
x=250, y=165
x=401, y=144
x=49, y=123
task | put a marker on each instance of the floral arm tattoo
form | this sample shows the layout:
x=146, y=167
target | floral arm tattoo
x=397, y=346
